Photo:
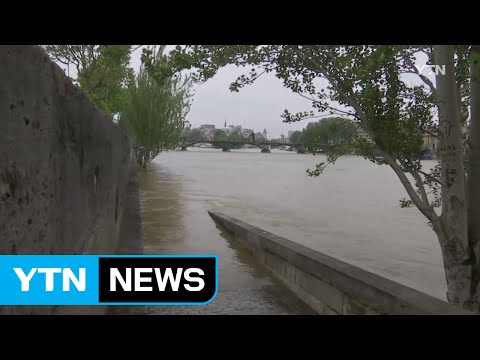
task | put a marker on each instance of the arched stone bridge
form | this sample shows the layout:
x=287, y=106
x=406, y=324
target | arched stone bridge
x=227, y=145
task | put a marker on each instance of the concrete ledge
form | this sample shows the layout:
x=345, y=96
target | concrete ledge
x=328, y=285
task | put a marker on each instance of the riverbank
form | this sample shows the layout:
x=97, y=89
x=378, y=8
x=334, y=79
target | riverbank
x=176, y=223
x=327, y=285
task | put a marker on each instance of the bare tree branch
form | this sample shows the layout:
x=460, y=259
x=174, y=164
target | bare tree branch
x=256, y=77
x=424, y=208
x=418, y=181
x=60, y=60
x=428, y=176
x=77, y=61
x=340, y=112
x=349, y=98
x=316, y=116
x=307, y=97
x=337, y=111
x=429, y=133
x=425, y=79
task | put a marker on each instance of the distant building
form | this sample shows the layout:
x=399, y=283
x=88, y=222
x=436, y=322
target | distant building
x=232, y=129
x=431, y=138
x=265, y=134
x=207, y=127
x=246, y=133
x=362, y=133
x=430, y=141
x=228, y=129
x=207, y=130
x=259, y=137
x=290, y=133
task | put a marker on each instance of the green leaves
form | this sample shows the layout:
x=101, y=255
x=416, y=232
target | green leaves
x=290, y=118
x=329, y=131
x=363, y=83
x=296, y=137
x=155, y=109
x=220, y=135
x=318, y=169
x=365, y=79
x=102, y=71
x=406, y=203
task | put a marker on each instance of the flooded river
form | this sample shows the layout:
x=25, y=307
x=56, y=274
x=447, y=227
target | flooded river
x=350, y=212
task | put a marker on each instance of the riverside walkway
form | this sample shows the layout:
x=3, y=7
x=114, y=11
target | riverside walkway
x=175, y=220
x=244, y=289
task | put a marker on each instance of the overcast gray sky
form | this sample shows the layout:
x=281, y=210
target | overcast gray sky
x=257, y=106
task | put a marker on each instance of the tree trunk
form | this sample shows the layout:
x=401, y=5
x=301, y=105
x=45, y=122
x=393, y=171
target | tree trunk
x=451, y=228
x=145, y=159
x=138, y=155
x=473, y=180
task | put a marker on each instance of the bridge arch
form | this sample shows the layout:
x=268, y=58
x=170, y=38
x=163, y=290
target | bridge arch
x=227, y=145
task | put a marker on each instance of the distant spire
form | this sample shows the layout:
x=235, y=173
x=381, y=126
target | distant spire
x=225, y=121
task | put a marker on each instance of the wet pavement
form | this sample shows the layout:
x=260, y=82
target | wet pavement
x=241, y=302
x=245, y=288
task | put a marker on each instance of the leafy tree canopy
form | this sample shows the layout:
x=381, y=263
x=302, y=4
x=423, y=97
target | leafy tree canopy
x=102, y=71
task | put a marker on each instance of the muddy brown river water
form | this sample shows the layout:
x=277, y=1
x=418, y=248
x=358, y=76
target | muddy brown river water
x=350, y=212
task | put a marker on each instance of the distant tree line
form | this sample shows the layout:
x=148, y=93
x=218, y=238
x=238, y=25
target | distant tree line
x=333, y=131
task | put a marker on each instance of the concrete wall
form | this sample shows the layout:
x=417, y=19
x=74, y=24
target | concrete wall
x=67, y=172
x=328, y=285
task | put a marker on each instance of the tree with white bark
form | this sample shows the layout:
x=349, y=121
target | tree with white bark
x=368, y=85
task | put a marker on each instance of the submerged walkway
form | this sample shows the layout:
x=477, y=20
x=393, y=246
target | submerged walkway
x=175, y=220
x=245, y=288
x=240, y=302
